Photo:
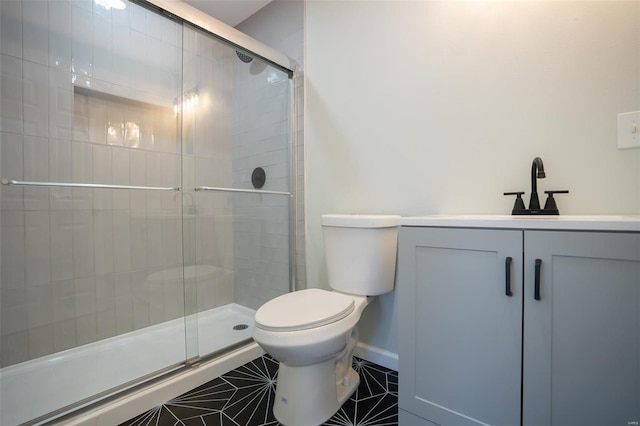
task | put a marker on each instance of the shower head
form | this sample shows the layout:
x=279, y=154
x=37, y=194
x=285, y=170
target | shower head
x=244, y=57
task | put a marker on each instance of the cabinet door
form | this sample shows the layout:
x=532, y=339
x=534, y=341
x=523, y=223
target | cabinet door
x=582, y=338
x=459, y=333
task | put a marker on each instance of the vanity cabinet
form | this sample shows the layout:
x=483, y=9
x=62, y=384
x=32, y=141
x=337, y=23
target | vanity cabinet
x=479, y=345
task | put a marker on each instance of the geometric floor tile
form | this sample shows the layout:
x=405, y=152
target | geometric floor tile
x=244, y=397
x=375, y=402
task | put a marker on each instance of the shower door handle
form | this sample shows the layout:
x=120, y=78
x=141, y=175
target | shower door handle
x=250, y=191
x=11, y=182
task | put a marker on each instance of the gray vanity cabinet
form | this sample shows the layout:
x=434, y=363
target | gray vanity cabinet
x=459, y=333
x=581, y=363
x=471, y=354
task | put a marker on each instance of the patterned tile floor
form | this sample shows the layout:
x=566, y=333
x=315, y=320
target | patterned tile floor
x=244, y=397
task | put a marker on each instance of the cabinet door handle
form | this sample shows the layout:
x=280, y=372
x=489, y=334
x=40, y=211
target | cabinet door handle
x=507, y=277
x=536, y=290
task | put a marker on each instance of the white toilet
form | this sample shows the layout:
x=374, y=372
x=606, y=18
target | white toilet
x=313, y=332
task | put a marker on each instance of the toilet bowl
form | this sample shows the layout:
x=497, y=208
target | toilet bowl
x=313, y=332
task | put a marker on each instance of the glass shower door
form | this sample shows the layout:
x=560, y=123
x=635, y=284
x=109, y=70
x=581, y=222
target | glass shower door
x=146, y=198
x=237, y=150
x=90, y=208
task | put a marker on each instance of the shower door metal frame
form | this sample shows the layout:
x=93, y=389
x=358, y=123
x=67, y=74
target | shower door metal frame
x=220, y=31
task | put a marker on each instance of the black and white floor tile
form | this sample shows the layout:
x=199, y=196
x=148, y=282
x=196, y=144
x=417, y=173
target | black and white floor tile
x=244, y=397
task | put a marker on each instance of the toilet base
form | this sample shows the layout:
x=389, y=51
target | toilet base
x=308, y=396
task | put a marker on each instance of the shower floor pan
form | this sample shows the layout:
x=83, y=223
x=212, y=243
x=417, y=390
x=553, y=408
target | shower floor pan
x=37, y=387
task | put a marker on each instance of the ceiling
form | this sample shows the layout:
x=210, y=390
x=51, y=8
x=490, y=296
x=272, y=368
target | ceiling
x=231, y=12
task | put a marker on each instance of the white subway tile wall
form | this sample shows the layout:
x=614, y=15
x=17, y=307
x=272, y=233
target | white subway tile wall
x=203, y=145
x=280, y=26
x=261, y=222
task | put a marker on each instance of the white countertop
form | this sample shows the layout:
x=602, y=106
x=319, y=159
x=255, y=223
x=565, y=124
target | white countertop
x=574, y=223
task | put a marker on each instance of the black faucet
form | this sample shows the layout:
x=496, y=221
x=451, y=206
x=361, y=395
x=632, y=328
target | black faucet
x=536, y=166
x=550, y=207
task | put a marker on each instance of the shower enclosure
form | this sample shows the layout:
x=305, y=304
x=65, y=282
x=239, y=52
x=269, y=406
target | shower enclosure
x=147, y=199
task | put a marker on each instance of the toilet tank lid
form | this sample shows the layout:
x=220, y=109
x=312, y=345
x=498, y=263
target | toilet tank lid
x=360, y=220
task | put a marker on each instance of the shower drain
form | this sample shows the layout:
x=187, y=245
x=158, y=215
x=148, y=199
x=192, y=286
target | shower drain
x=240, y=327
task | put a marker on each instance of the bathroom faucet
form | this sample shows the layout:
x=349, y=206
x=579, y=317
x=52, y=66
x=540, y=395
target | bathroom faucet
x=538, y=167
x=550, y=206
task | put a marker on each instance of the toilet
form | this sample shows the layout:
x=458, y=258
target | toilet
x=313, y=332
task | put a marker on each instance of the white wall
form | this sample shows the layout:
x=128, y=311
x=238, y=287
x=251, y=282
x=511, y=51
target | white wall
x=439, y=107
x=279, y=25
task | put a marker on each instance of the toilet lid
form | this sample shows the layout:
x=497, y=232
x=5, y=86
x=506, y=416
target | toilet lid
x=304, y=309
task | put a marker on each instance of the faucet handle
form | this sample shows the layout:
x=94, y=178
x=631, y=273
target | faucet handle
x=519, y=204
x=550, y=205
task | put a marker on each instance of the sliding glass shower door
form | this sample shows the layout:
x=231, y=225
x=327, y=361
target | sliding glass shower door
x=237, y=150
x=92, y=293
x=146, y=202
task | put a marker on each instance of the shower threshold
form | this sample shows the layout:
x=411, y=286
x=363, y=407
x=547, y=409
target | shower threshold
x=34, y=388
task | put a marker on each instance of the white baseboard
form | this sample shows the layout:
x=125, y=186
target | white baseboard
x=377, y=355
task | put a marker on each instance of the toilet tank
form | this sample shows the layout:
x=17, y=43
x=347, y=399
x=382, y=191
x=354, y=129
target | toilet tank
x=360, y=252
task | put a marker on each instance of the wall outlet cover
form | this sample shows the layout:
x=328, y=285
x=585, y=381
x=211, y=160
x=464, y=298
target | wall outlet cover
x=629, y=130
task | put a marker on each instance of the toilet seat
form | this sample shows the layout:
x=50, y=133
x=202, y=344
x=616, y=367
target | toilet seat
x=303, y=310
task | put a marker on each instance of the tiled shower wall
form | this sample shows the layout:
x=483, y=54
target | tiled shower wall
x=207, y=132
x=261, y=221
x=280, y=26
x=87, y=97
